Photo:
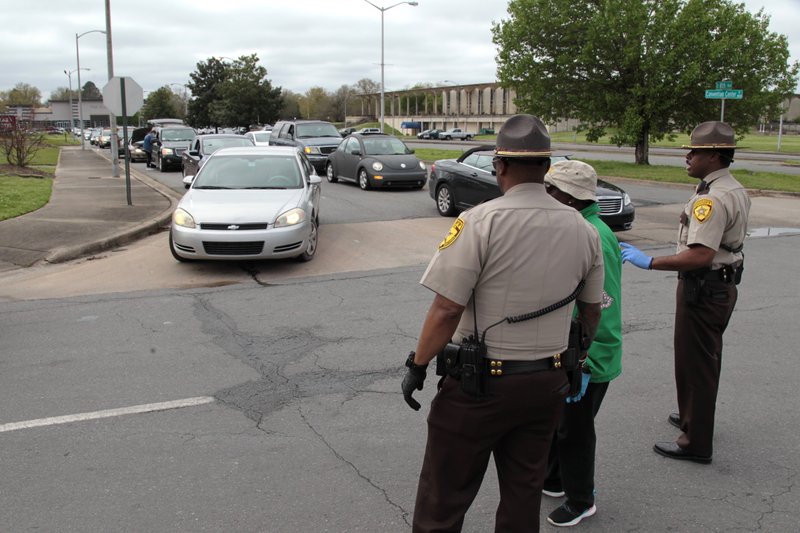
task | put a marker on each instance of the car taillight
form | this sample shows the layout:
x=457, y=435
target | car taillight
x=433, y=167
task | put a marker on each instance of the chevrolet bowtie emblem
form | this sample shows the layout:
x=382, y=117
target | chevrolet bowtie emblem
x=233, y=227
x=402, y=165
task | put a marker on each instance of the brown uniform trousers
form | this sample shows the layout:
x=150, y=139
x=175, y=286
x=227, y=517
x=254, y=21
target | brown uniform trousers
x=514, y=422
x=698, y=360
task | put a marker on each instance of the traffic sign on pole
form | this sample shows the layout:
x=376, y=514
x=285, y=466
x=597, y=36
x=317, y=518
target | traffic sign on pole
x=112, y=95
x=724, y=84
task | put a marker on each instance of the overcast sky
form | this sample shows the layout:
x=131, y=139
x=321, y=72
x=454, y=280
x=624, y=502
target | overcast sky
x=301, y=43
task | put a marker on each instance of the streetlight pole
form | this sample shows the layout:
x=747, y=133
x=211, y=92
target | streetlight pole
x=71, y=110
x=80, y=101
x=383, y=10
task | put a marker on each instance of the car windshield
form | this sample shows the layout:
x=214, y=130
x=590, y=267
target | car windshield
x=261, y=137
x=212, y=145
x=177, y=134
x=384, y=146
x=250, y=172
x=322, y=129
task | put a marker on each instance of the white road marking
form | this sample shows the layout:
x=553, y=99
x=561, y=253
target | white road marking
x=107, y=413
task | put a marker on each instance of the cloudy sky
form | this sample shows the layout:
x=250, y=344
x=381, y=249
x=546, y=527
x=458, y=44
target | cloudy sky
x=302, y=43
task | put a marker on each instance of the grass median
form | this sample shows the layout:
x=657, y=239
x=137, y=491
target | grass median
x=766, y=181
x=23, y=190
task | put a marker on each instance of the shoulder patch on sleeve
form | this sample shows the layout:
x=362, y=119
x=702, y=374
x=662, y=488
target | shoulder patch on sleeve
x=455, y=231
x=702, y=208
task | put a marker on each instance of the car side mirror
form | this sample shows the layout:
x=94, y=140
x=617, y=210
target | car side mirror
x=313, y=179
x=194, y=152
x=187, y=181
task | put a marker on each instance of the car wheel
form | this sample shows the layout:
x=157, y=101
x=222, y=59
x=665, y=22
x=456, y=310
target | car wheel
x=330, y=174
x=445, y=203
x=311, y=248
x=447, y=138
x=363, y=179
x=160, y=164
x=174, y=253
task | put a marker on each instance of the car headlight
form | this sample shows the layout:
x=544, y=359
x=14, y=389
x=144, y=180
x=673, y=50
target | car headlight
x=422, y=165
x=311, y=150
x=290, y=218
x=182, y=218
x=166, y=151
x=377, y=166
x=626, y=200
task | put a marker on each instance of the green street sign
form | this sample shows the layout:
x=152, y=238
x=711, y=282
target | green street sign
x=725, y=94
x=725, y=84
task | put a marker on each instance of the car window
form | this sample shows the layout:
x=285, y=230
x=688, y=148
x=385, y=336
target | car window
x=196, y=145
x=320, y=129
x=177, y=134
x=352, y=145
x=260, y=136
x=384, y=146
x=485, y=163
x=250, y=172
x=212, y=145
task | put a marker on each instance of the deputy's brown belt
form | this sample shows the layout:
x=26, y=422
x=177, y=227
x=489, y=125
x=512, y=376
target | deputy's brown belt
x=499, y=367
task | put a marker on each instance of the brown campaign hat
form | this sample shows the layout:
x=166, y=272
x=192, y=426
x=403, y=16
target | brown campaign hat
x=711, y=135
x=523, y=136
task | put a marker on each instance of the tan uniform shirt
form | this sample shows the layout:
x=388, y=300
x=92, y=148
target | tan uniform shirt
x=520, y=252
x=716, y=216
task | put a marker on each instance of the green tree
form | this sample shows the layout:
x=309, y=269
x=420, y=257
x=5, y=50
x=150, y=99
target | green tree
x=233, y=94
x=91, y=92
x=204, y=85
x=161, y=103
x=23, y=94
x=641, y=66
x=62, y=94
x=291, y=105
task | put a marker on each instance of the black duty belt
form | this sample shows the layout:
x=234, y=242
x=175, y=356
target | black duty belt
x=498, y=367
x=726, y=274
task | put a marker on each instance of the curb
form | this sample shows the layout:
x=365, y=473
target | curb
x=123, y=237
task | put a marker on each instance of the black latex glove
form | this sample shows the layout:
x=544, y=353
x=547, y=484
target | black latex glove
x=414, y=379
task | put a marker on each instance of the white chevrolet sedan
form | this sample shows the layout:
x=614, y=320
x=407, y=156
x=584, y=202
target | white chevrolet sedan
x=249, y=203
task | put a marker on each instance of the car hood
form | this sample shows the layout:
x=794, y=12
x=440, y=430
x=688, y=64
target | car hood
x=137, y=135
x=320, y=141
x=239, y=206
x=397, y=162
x=605, y=188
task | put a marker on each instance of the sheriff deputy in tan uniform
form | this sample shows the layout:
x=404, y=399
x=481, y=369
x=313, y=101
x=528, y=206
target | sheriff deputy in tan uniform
x=512, y=255
x=709, y=262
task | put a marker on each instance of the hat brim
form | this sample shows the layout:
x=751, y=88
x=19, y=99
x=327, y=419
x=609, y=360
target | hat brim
x=507, y=153
x=709, y=146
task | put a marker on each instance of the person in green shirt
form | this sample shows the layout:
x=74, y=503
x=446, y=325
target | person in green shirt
x=571, y=462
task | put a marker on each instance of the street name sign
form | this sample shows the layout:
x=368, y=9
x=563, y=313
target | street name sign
x=725, y=94
x=725, y=84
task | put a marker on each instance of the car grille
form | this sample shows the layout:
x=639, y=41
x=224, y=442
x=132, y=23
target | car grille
x=610, y=205
x=233, y=248
x=327, y=149
x=234, y=227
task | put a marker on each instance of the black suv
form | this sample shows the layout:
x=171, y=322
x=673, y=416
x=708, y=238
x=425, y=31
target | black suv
x=170, y=143
x=316, y=139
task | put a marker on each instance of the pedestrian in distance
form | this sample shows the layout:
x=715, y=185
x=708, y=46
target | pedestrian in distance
x=570, y=469
x=147, y=146
x=709, y=263
x=503, y=384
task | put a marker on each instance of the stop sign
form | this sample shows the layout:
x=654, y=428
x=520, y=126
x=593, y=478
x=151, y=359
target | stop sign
x=112, y=95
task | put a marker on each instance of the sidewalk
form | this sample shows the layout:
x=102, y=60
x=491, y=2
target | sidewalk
x=88, y=212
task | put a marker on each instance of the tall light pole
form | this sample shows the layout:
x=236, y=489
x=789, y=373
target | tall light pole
x=72, y=111
x=383, y=10
x=80, y=89
x=458, y=97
